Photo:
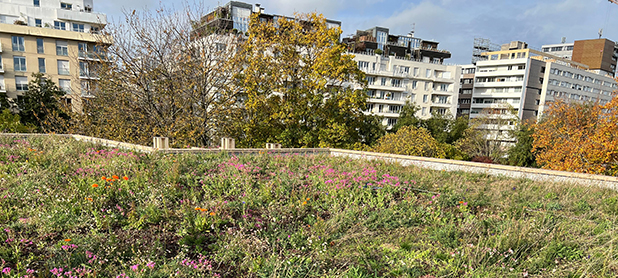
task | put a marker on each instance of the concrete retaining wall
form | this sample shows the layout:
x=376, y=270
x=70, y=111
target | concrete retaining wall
x=423, y=162
x=484, y=168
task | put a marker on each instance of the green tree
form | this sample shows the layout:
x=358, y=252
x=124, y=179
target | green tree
x=296, y=79
x=443, y=128
x=9, y=122
x=41, y=102
x=407, y=116
x=410, y=140
x=521, y=154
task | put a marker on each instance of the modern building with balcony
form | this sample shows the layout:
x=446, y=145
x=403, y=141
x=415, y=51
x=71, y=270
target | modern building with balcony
x=235, y=17
x=378, y=39
x=466, y=85
x=528, y=81
x=58, y=38
x=393, y=80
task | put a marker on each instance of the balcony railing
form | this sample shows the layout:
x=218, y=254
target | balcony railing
x=92, y=55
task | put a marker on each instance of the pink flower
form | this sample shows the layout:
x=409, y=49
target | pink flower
x=151, y=265
x=6, y=270
x=134, y=267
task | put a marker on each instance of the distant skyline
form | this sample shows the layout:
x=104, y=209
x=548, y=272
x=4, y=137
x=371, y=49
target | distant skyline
x=453, y=23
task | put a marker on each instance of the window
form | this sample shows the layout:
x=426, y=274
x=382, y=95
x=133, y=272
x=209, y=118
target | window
x=78, y=27
x=428, y=86
x=65, y=85
x=38, y=22
x=394, y=108
x=425, y=98
x=19, y=63
x=42, y=65
x=58, y=25
x=396, y=82
x=63, y=67
x=521, y=67
x=62, y=48
x=85, y=87
x=414, y=84
x=363, y=64
x=21, y=83
x=391, y=121
x=83, y=69
x=39, y=46
x=442, y=87
x=405, y=69
x=428, y=73
x=383, y=81
x=18, y=44
x=464, y=100
x=371, y=80
x=466, y=91
x=66, y=6
x=82, y=49
x=424, y=111
x=37, y=3
x=380, y=108
x=416, y=71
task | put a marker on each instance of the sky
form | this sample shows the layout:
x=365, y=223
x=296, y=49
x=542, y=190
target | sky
x=453, y=23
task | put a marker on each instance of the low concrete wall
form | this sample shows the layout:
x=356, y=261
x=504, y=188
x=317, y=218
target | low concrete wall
x=423, y=162
x=484, y=168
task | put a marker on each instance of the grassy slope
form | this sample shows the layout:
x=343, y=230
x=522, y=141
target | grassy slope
x=295, y=216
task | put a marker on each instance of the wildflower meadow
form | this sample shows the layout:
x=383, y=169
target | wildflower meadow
x=73, y=209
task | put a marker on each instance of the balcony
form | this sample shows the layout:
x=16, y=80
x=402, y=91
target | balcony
x=91, y=56
x=1, y=67
x=2, y=88
x=93, y=18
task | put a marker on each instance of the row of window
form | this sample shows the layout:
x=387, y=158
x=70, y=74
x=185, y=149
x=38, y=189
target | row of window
x=508, y=67
x=583, y=77
x=405, y=70
x=62, y=47
x=495, y=100
x=21, y=84
x=19, y=64
x=381, y=108
x=560, y=94
x=578, y=87
x=500, y=79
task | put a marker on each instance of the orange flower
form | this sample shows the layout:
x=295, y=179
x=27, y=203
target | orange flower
x=103, y=178
x=305, y=202
x=109, y=179
x=461, y=202
x=115, y=177
x=67, y=240
x=198, y=208
x=95, y=185
x=212, y=213
x=89, y=199
x=125, y=178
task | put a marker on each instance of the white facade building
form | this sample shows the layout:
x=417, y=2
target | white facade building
x=530, y=80
x=393, y=80
x=562, y=50
x=71, y=15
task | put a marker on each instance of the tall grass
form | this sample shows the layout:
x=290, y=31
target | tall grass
x=71, y=209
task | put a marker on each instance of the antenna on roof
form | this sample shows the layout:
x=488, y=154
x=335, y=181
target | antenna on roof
x=600, y=33
x=563, y=40
x=411, y=33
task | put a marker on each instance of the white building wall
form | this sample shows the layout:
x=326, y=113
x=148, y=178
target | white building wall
x=81, y=12
x=393, y=81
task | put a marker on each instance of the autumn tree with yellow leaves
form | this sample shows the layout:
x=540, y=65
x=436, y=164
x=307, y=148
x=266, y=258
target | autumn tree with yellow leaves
x=578, y=137
x=299, y=87
x=410, y=140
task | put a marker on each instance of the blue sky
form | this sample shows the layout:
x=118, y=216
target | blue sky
x=454, y=23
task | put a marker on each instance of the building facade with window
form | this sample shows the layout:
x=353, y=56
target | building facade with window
x=466, y=85
x=393, y=80
x=600, y=55
x=57, y=38
x=528, y=81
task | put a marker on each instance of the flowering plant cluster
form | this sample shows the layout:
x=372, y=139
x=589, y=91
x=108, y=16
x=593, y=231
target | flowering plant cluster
x=72, y=209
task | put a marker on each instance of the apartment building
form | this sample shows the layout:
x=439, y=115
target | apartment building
x=393, y=80
x=466, y=85
x=59, y=38
x=235, y=16
x=379, y=40
x=600, y=55
x=529, y=80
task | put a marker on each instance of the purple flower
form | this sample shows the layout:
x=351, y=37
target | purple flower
x=6, y=270
x=134, y=267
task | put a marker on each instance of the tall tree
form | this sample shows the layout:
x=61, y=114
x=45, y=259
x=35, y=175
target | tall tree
x=42, y=101
x=163, y=78
x=521, y=154
x=298, y=85
x=410, y=140
x=578, y=137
